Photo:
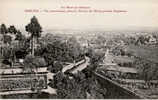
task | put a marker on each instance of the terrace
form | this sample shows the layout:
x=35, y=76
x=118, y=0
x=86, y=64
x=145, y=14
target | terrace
x=17, y=79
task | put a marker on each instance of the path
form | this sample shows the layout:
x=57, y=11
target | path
x=82, y=66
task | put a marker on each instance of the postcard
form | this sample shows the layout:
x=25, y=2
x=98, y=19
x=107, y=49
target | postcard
x=78, y=49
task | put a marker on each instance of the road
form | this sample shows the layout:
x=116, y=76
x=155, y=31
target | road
x=82, y=66
x=71, y=65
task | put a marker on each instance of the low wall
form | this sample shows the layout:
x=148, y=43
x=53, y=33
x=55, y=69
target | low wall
x=114, y=90
x=20, y=82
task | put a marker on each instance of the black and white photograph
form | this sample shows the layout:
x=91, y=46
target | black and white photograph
x=78, y=49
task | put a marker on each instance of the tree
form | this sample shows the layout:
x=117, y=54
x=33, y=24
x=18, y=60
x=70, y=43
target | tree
x=54, y=48
x=8, y=54
x=7, y=39
x=3, y=31
x=20, y=46
x=31, y=63
x=147, y=70
x=35, y=29
x=19, y=36
x=12, y=29
x=56, y=67
x=77, y=87
x=100, y=40
x=74, y=48
x=28, y=64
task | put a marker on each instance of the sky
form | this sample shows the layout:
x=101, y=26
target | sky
x=139, y=13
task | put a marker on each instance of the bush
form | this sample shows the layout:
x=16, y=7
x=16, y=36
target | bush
x=55, y=67
x=77, y=87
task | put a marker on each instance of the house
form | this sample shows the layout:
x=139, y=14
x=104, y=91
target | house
x=123, y=71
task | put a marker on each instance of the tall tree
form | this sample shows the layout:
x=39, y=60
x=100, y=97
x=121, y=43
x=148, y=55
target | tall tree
x=35, y=29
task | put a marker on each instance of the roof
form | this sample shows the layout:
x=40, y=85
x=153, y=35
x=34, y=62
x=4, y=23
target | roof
x=127, y=70
x=123, y=59
x=132, y=80
x=122, y=69
x=111, y=68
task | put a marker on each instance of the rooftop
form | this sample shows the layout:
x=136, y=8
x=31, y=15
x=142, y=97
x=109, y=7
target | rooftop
x=122, y=69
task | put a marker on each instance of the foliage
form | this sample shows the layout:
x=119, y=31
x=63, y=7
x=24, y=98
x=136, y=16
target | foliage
x=14, y=50
x=118, y=51
x=96, y=57
x=149, y=53
x=56, y=48
x=100, y=41
x=39, y=62
x=35, y=29
x=7, y=39
x=53, y=52
x=56, y=67
x=147, y=70
x=74, y=48
x=19, y=36
x=22, y=48
x=77, y=87
x=28, y=64
x=8, y=53
x=31, y=63
x=3, y=29
x=12, y=29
